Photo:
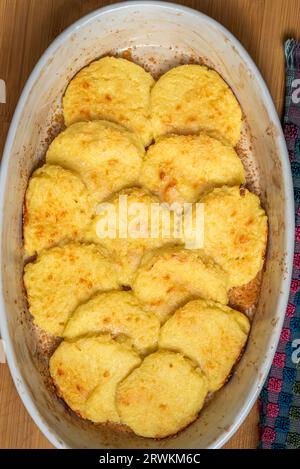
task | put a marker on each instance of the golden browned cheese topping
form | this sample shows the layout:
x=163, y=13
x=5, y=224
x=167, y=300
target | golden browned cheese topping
x=169, y=277
x=86, y=373
x=112, y=89
x=180, y=168
x=132, y=236
x=143, y=233
x=192, y=98
x=56, y=209
x=162, y=396
x=63, y=277
x=211, y=334
x=235, y=232
x=117, y=313
x=106, y=156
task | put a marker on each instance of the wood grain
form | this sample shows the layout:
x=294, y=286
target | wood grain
x=27, y=27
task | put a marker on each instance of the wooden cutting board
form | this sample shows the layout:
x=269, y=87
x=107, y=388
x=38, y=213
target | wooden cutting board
x=27, y=27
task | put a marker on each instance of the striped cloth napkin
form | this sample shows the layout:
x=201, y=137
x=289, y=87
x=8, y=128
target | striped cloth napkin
x=280, y=398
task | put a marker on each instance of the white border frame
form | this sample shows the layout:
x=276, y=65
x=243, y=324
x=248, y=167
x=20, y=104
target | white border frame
x=289, y=212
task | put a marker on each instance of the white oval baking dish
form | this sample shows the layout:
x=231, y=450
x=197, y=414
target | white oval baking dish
x=166, y=32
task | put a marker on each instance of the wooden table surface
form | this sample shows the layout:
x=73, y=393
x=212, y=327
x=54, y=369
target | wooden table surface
x=27, y=27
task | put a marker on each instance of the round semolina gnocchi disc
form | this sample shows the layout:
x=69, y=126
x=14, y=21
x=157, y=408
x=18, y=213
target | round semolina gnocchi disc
x=56, y=209
x=171, y=276
x=211, y=334
x=162, y=396
x=235, y=232
x=179, y=168
x=106, y=156
x=86, y=373
x=63, y=277
x=192, y=98
x=131, y=236
x=112, y=89
x=115, y=312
